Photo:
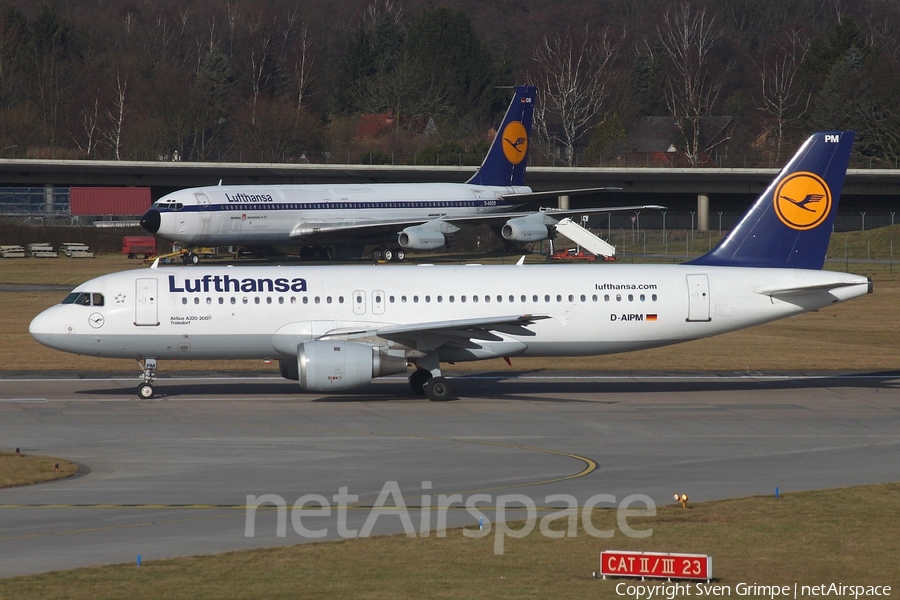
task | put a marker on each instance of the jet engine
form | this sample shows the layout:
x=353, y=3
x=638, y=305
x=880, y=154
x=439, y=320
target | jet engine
x=525, y=229
x=421, y=238
x=324, y=366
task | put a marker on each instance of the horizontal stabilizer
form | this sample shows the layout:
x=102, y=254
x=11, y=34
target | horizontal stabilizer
x=809, y=289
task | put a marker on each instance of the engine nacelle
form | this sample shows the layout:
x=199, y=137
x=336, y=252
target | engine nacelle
x=524, y=229
x=324, y=366
x=420, y=238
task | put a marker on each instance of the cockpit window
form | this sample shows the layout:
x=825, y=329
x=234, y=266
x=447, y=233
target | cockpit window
x=171, y=205
x=84, y=299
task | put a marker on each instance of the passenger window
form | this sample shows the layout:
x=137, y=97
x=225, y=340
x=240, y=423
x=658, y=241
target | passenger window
x=233, y=300
x=280, y=299
x=653, y=297
x=244, y=300
x=416, y=299
x=184, y=300
x=256, y=300
x=221, y=300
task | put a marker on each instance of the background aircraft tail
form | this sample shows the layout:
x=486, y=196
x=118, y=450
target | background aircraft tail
x=506, y=159
x=790, y=224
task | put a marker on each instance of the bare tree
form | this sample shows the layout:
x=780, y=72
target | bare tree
x=116, y=116
x=90, y=121
x=303, y=67
x=573, y=74
x=260, y=60
x=688, y=37
x=782, y=97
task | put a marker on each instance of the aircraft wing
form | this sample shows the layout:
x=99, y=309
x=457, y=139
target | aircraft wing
x=552, y=213
x=310, y=231
x=527, y=196
x=434, y=334
x=431, y=335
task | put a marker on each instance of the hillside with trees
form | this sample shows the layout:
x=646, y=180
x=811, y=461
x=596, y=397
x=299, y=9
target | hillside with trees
x=418, y=81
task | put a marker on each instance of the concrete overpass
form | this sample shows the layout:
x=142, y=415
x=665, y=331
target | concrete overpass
x=864, y=189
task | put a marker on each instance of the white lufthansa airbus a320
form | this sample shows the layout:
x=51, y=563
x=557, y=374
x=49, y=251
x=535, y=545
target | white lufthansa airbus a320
x=338, y=327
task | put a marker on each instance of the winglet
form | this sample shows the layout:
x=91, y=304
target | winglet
x=521, y=261
x=155, y=263
x=790, y=224
x=508, y=155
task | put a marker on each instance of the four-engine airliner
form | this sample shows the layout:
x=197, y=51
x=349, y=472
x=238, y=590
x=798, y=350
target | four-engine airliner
x=338, y=327
x=396, y=217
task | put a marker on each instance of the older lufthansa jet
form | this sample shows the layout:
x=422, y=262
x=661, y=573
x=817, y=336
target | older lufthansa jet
x=338, y=327
x=398, y=216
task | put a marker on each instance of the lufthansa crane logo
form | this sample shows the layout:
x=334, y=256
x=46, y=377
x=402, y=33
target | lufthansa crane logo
x=802, y=200
x=515, y=142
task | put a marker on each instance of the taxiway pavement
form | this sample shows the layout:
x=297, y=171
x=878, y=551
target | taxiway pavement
x=171, y=476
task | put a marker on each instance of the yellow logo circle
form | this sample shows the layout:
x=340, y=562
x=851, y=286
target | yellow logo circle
x=802, y=200
x=515, y=142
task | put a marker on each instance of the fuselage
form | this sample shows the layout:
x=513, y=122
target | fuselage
x=302, y=214
x=265, y=312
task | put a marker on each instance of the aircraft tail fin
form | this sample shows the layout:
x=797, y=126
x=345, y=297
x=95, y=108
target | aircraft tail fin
x=506, y=158
x=790, y=224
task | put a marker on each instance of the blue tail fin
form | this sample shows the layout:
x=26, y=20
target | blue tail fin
x=506, y=159
x=790, y=224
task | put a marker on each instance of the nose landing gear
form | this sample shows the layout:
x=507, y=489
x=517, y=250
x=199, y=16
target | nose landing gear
x=145, y=389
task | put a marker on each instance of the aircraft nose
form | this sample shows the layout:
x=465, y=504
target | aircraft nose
x=41, y=328
x=151, y=221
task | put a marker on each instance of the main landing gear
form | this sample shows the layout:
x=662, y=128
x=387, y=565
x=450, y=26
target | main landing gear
x=388, y=254
x=145, y=389
x=427, y=380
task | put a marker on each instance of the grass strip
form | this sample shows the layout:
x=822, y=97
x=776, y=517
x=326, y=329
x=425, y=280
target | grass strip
x=846, y=535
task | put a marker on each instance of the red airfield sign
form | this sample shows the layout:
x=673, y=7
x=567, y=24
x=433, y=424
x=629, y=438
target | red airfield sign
x=617, y=563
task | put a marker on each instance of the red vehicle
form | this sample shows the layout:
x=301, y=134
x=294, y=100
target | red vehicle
x=133, y=245
x=573, y=254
